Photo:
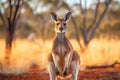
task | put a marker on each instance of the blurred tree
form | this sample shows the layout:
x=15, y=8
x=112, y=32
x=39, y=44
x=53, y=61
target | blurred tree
x=88, y=32
x=86, y=20
x=42, y=20
x=9, y=16
x=56, y=5
x=114, y=11
x=110, y=24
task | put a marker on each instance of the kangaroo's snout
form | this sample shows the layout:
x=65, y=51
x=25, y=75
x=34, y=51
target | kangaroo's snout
x=61, y=29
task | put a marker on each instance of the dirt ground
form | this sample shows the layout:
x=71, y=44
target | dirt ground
x=109, y=73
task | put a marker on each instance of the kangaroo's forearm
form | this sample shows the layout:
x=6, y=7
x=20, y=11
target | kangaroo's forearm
x=70, y=52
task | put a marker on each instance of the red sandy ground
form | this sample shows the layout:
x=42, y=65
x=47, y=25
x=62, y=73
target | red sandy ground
x=110, y=73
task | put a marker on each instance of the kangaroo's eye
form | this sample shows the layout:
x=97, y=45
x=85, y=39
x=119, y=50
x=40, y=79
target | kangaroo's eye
x=57, y=23
x=64, y=23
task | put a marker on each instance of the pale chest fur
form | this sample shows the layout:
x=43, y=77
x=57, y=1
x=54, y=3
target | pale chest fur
x=61, y=48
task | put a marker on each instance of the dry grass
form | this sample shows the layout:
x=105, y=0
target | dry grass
x=100, y=52
x=24, y=54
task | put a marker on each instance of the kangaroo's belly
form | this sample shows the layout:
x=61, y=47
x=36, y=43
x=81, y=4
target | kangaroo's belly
x=62, y=52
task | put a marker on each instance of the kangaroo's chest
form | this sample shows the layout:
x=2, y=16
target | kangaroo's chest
x=61, y=48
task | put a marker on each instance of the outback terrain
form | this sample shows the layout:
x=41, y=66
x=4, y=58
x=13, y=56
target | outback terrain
x=109, y=73
x=26, y=53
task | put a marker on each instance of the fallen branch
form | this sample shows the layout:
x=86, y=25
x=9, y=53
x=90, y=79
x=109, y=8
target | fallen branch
x=103, y=66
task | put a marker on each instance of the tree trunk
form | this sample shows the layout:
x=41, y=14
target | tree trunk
x=9, y=22
x=8, y=46
x=96, y=26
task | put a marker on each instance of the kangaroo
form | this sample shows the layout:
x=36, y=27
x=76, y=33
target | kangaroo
x=63, y=61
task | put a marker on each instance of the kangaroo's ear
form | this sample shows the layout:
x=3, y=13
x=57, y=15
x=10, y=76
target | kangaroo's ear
x=67, y=16
x=54, y=16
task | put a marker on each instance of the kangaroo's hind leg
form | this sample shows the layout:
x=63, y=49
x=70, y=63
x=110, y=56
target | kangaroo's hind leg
x=75, y=65
x=51, y=68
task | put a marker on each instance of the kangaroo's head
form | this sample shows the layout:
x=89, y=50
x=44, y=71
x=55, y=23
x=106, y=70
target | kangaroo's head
x=60, y=24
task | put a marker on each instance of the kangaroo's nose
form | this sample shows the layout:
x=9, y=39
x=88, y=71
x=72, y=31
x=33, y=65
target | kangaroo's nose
x=61, y=29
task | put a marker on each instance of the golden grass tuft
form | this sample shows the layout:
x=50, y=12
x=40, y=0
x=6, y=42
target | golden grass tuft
x=102, y=51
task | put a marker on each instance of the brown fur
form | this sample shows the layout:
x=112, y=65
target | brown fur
x=63, y=60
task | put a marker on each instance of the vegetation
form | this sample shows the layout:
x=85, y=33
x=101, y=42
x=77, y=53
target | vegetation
x=30, y=15
x=93, y=30
x=101, y=51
